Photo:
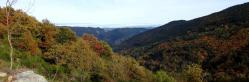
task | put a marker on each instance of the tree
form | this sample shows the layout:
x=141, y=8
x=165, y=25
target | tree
x=65, y=35
x=162, y=76
x=102, y=48
x=8, y=11
x=194, y=73
x=31, y=44
x=47, y=34
x=9, y=4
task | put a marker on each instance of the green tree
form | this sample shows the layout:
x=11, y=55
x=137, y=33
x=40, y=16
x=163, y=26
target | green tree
x=194, y=73
x=162, y=76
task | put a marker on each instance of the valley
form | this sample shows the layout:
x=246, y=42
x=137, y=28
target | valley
x=211, y=48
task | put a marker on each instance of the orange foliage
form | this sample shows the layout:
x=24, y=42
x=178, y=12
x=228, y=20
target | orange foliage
x=96, y=45
x=32, y=45
x=224, y=46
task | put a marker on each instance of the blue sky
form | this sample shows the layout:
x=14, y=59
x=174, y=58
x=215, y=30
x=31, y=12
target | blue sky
x=118, y=13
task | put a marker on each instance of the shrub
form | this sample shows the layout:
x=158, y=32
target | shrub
x=162, y=76
x=193, y=73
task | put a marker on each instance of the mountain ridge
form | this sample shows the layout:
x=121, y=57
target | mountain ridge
x=114, y=36
x=171, y=29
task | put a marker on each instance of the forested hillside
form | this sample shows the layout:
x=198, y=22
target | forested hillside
x=118, y=35
x=61, y=56
x=210, y=48
x=236, y=15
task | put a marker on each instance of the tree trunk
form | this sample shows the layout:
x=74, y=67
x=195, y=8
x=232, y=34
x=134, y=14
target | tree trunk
x=9, y=33
x=11, y=49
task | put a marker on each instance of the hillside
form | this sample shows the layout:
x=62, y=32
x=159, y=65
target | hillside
x=209, y=48
x=61, y=56
x=213, y=48
x=113, y=36
x=234, y=15
x=116, y=36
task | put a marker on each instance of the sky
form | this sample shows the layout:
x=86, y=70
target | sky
x=120, y=13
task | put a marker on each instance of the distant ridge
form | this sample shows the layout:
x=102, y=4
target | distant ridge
x=235, y=14
x=107, y=25
x=114, y=36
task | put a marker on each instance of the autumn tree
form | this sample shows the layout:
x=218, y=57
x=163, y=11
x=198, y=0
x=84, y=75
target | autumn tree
x=31, y=43
x=101, y=47
x=47, y=34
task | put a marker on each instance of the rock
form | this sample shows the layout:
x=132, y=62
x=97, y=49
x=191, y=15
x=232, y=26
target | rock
x=3, y=77
x=27, y=76
x=2, y=74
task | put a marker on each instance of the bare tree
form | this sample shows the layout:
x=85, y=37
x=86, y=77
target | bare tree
x=29, y=6
x=9, y=4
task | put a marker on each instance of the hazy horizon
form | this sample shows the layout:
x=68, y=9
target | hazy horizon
x=120, y=13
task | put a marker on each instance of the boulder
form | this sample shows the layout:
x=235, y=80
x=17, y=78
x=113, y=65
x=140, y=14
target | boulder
x=27, y=76
x=3, y=77
x=2, y=74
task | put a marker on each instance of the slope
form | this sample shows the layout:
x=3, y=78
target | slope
x=210, y=48
x=235, y=15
